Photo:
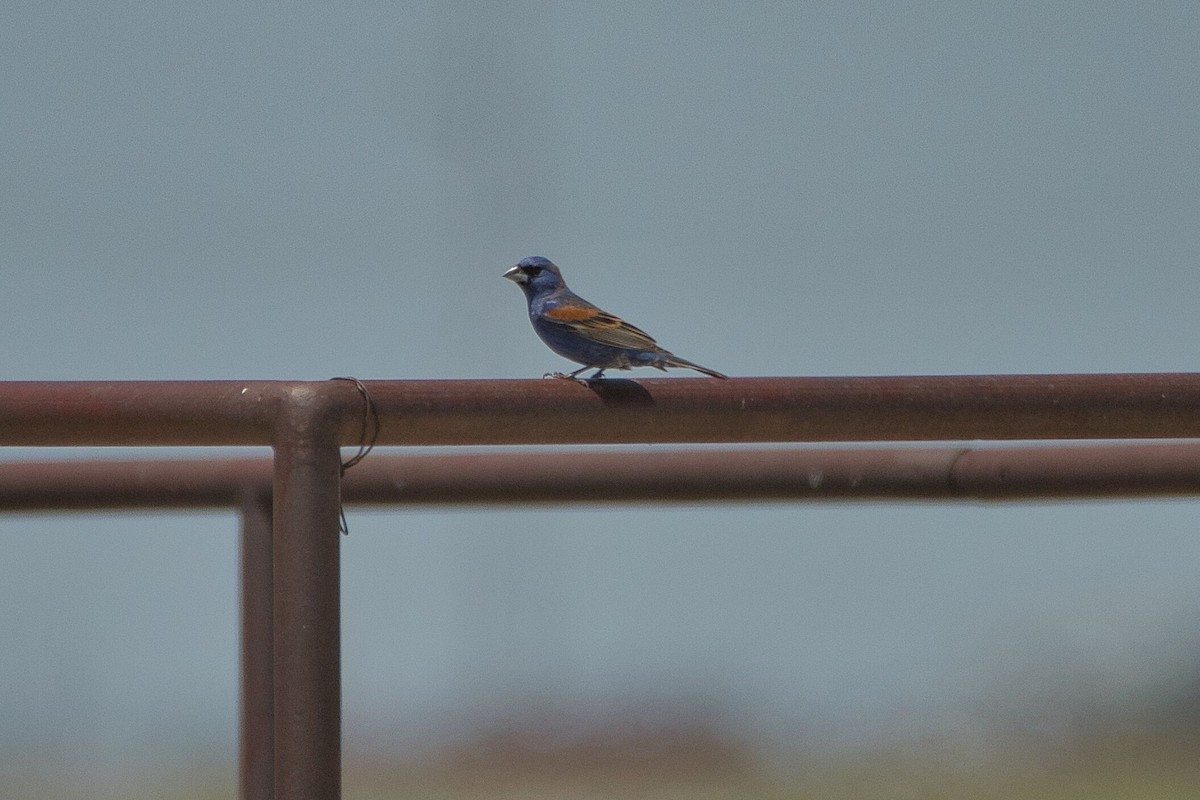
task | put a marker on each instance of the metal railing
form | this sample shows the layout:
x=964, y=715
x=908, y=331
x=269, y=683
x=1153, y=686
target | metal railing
x=291, y=691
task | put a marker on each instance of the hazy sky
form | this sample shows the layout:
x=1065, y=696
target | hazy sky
x=234, y=191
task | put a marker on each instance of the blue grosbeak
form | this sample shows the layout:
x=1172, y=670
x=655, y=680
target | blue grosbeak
x=578, y=330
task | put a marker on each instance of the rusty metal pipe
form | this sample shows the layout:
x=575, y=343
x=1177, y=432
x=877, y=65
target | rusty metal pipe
x=748, y=410
x=788, y=474
x=307, y=612
x=792, y=474
x=256, y=712
x=617, y=410
x=130, y=484
x=1082, y=472
x=95, y=413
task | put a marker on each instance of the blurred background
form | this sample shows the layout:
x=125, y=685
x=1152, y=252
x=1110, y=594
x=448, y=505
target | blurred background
x=233, y=191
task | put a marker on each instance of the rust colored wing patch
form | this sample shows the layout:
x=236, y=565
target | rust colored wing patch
x=601, y=327
x=571, y=313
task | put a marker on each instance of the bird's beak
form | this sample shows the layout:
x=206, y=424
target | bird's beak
x=516, y=275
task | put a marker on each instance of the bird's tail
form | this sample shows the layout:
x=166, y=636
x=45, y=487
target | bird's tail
x=673, y=360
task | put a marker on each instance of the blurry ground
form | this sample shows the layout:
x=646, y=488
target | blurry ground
x=1137, y=756
x=698, y=764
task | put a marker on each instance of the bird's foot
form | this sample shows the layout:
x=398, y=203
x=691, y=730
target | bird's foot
x=572, y=376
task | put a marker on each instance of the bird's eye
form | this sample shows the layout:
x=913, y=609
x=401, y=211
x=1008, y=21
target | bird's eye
x=533, y=270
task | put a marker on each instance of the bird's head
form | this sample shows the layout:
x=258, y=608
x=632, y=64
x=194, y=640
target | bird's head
x=535, y=274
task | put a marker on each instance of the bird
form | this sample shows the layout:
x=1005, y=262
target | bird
x=582, y=332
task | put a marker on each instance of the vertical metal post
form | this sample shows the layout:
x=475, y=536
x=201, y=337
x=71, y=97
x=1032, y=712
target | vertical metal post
x=256, y=734
x=307, y=635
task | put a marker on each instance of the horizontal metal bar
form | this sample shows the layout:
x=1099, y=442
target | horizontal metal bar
x=791, y=474
x=616, y=410
x=664, y=410
x=102, y=485
x=140, y=412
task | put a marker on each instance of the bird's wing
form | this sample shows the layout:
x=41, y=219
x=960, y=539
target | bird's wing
x=599, y=326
